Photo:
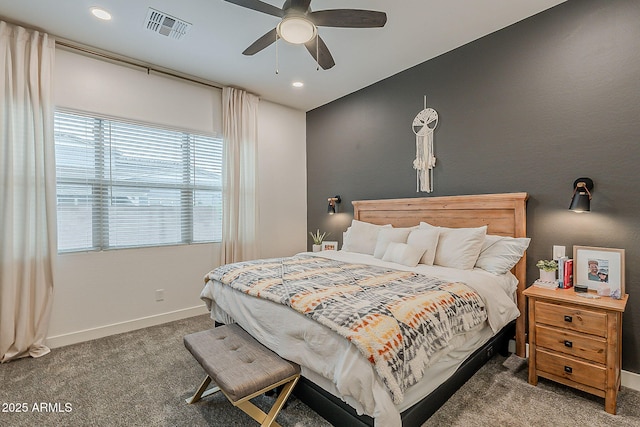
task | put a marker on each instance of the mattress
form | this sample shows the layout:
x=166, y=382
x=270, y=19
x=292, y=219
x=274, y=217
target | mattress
x=335, y=364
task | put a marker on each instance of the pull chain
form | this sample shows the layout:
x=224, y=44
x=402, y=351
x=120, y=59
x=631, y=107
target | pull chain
x=317, y=53
x=277, y=71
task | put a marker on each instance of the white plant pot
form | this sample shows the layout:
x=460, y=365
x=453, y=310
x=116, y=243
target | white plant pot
x=317, y=248
x=548, y=276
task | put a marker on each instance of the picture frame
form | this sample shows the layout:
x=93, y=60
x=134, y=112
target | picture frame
x=329, y=246
x=599, y=269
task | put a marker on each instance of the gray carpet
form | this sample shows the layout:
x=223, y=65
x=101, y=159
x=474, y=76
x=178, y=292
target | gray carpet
x=141, y=378
x=499, y=395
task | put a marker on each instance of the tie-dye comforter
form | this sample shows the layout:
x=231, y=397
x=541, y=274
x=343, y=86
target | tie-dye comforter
x=396, y=319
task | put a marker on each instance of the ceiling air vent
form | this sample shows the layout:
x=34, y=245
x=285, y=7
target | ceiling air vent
x=167, y=25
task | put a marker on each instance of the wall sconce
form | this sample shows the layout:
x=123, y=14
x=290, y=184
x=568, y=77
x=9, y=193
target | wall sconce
x=332, y=204
x=581, y=199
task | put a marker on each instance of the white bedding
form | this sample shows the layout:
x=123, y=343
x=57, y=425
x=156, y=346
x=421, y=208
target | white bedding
x=335, y=364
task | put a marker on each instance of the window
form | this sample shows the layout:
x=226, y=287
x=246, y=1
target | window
x=123, y=185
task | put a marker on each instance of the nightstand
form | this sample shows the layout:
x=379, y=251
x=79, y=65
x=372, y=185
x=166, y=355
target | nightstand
x=576, y=341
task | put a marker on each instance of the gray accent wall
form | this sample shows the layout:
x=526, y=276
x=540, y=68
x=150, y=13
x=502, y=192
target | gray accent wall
x=529, y=108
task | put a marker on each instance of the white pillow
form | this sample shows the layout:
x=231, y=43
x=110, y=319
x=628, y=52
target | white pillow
x=500, y=254
x=344, y=236
x=458, y=247
x=387, y=235
x=425, y=239
x=401, y=253
x=362, y=237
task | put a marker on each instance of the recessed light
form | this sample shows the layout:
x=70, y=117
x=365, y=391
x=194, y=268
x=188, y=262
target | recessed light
x=297, y=84
x=101, y=13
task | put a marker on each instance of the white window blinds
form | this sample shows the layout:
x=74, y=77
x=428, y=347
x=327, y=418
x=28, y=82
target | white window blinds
x=129, y=185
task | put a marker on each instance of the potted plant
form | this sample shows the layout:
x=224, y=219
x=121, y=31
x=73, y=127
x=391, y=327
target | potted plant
x=317, y=239
x=547, y=269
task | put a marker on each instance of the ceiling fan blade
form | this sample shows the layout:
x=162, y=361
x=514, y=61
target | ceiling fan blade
x=349, y=18
x=261, y=43
x=324, y=58
x=300, y=5
x=260, y=6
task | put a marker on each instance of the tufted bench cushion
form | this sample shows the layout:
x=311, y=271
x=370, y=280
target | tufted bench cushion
x=236, y=362
x=242, y=368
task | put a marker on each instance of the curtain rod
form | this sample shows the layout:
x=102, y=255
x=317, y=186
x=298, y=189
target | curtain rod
x=131, y=62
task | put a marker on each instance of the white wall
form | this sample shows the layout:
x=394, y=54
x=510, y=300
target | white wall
x=102, y=293
x=282, y=167
x=92, y=85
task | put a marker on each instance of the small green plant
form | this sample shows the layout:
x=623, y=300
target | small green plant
x=317, y=237
x=547, y=265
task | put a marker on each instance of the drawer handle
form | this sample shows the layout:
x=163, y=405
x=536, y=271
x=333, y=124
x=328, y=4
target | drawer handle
x=568, y=369
x=568, y=319
x=568, y=343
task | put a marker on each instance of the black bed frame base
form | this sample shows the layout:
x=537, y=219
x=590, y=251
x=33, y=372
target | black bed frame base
x=340, y=414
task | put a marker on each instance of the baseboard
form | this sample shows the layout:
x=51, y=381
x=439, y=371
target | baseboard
x=128, y=326
x=512, y=347
x=631, y=380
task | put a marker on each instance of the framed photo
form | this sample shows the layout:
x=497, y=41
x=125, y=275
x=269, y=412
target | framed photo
x=599, y=268
x=329, y=246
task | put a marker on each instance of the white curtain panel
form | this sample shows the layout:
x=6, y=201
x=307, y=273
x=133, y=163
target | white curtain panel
x=240, y=182
x=27, y=191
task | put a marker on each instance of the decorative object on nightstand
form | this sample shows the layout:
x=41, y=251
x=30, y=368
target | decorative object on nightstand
x=318, y=238
x=547, y=270
x=545, y=284
x=601, y=269
x=329, y=246
x=565, y=272
x=581, y=288
x=576, y=341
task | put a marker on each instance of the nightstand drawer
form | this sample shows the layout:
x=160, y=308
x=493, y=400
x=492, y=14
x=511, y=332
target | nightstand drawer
x=579, y=345
x=571, y=368
x=577, y=319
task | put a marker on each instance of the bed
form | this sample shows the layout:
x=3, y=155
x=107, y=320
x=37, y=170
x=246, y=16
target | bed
x=339, y=382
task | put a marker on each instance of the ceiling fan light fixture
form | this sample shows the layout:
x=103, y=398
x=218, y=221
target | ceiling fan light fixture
x=296, y=30
x=299, y=25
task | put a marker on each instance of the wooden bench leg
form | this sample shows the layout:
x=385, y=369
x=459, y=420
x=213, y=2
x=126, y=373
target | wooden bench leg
x=200, y=393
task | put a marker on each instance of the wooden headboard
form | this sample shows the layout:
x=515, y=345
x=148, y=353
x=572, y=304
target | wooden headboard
x=503, y=214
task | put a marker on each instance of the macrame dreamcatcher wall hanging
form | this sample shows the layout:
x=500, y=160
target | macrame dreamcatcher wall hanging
x=423, y=126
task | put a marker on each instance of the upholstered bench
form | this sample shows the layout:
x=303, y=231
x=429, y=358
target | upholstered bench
x=242, y=368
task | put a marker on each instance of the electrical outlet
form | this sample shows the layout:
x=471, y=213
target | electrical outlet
x=159, y=294
x=559, y=251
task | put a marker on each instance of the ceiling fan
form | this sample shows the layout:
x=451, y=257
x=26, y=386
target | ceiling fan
x=299, y=25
